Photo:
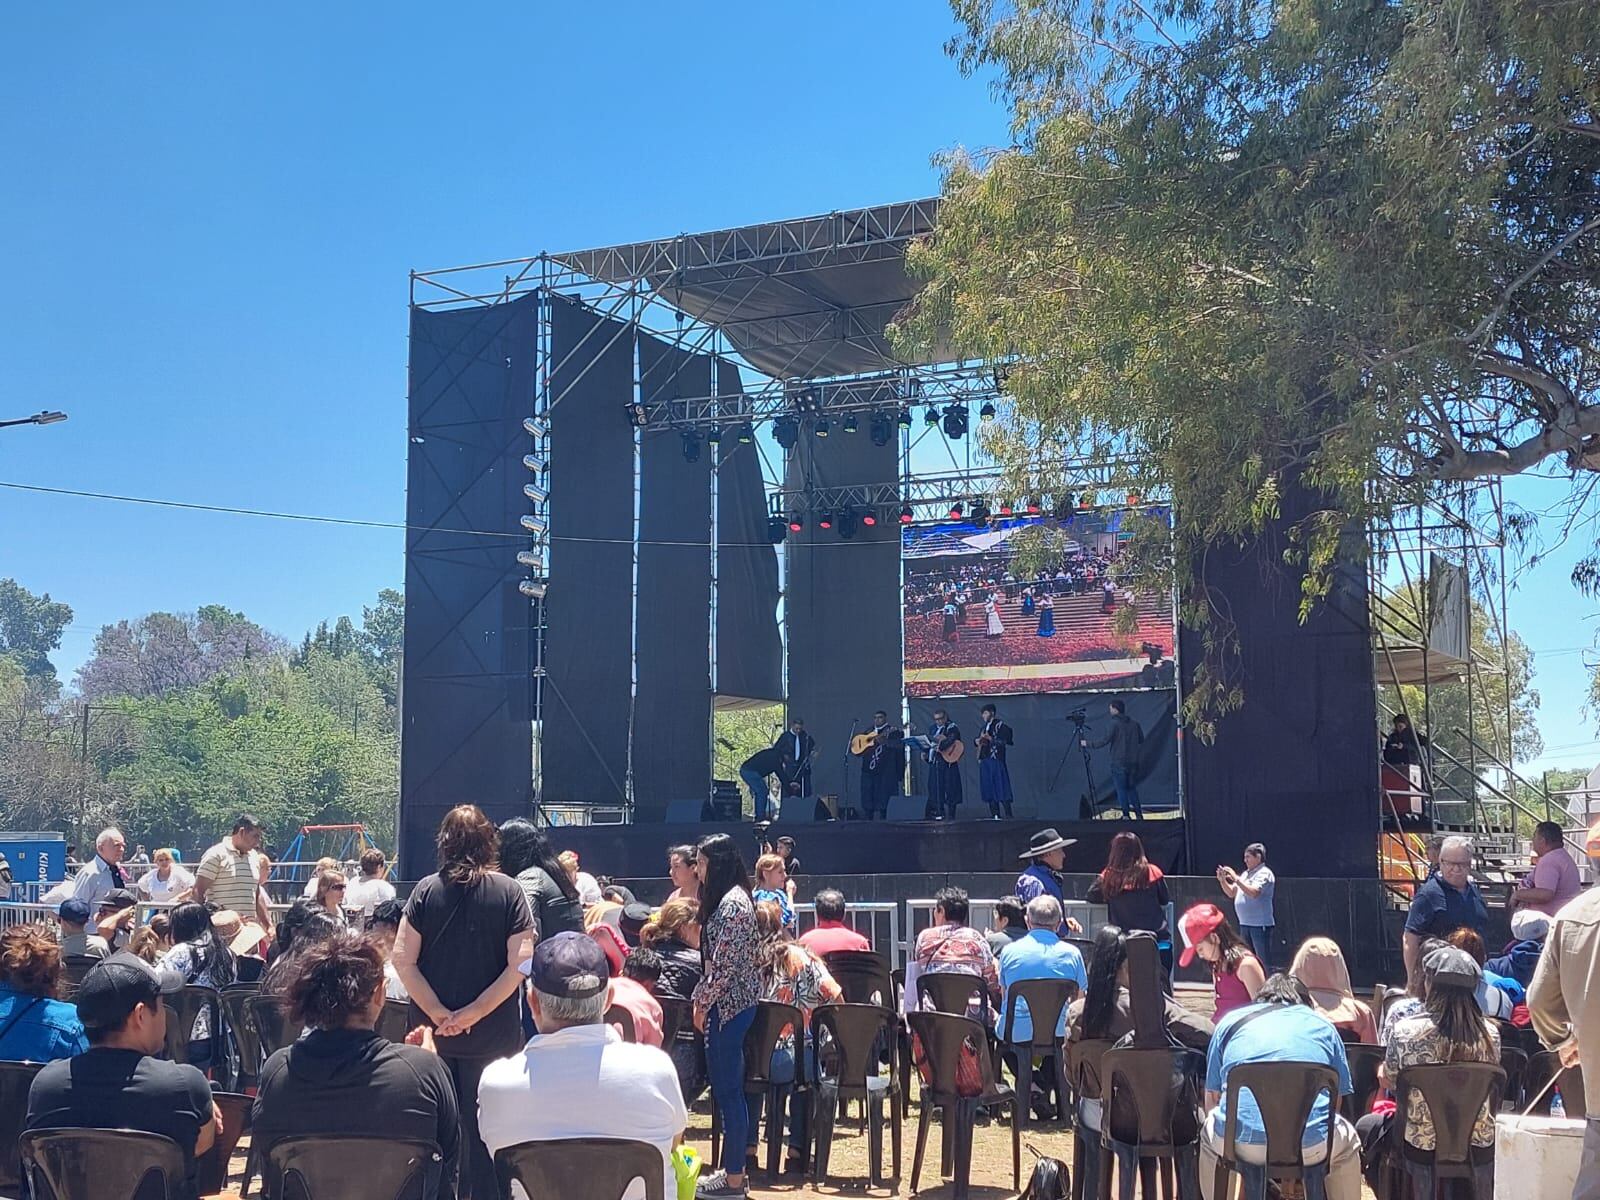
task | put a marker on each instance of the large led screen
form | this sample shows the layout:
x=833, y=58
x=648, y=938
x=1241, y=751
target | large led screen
x=974, y=625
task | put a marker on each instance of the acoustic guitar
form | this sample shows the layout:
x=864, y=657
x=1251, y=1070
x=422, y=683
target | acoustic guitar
x=863, y=742
x=954, y=753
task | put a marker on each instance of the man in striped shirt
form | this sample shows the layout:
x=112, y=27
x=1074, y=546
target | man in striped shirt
x=229, y=873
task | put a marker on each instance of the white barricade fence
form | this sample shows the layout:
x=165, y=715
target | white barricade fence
x=27, y=914
x=876, y=920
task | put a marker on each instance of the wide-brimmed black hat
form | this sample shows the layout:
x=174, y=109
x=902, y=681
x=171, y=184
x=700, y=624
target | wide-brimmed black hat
x=1045, y=841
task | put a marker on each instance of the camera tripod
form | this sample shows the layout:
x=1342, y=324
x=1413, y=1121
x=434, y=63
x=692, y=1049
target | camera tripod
x=1086, y=799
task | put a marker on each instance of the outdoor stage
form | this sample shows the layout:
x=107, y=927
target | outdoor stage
x=872, y=847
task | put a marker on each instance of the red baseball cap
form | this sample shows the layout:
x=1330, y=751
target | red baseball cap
x=1196, y=925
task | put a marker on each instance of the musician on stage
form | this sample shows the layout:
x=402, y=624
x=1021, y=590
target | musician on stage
x=883, y=766
x=944, y=778
x=761, y=765
x=798, y=745
x=994, y=777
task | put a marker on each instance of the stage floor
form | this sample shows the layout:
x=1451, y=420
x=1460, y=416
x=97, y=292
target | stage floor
x=873, y=847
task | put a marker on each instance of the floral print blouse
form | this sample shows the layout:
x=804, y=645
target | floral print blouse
x=728, y=944
x=1415, y=1042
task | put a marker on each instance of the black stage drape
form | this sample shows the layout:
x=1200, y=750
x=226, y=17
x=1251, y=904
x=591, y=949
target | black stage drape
x=1296, y=767
x=1047, y=774
x=749, y=649
x=467, y=686
x=842, y=607
x=588, y=638
x=672, y=722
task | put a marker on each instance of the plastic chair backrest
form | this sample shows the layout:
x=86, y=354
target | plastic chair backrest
x=1084, y=1060
x=1364, y=1062
x=595, y=1168
x=396, y=1020
x=771, y=1019
x=676, y=1016
x=211, y=1170
x=274, y=1030
x=849, y=1038
x=1285, y=1093
x=1085, y=947
x=182, y=1009
x=108, y=1164
x=237, y=1013
x=1455, y=1094
x=951, y=991
x=15, y=1080
x=1147, y=998
x=1140, y=1078
x=315, y=1167
x=75, y=966
x=623, y=1020
x=1045, y=1000
x=943, y=1036
x=1514, y=1063
x=862, y=975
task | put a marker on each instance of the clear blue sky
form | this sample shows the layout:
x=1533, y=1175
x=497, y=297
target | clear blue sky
x=209, y=214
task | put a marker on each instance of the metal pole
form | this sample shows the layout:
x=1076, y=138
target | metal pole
x=83, y=776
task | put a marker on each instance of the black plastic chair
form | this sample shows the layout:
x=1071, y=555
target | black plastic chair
x=850, y=1039
x=1085, y=948
x=1570, y=1083
x=595, y=1168
x=1455, y=1094
x=1364, y=1060
x=106, y=1164
x=759, y=1043
x=943, y=1036
x=211, y=1169
x=1138, y=1081
x=241, y=1023
x=183, y=1008
x=397, y=1019
x=15, y=1080
x=623, y=1020
x=1285, y=1093
x=335, y=1168
x=863, y=976
x=1514, y=1063
x=73, y=968
x=1083, y=1068
x=676, y=1016
x=1045, y=1000
x=951, y=992
x=273, y=1028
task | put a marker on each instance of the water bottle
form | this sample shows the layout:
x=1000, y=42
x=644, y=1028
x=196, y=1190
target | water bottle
x=1558, y=1110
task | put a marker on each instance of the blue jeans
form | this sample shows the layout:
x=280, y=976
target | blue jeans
x=725, y=1065
x=1127, y=793
x=783, y=1072
x=1260, y=939
x=758, y=791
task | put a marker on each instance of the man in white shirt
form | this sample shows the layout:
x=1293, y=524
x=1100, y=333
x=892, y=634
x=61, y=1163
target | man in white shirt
x=577, y=1077
x=102, y=874
x=372, y=889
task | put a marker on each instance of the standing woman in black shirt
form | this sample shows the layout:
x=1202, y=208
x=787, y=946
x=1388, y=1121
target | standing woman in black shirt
x=528, y=857
x=1135, y=892
x=465, y=932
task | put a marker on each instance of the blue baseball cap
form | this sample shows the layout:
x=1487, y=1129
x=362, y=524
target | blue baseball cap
x=570, y=964
x=76, y=911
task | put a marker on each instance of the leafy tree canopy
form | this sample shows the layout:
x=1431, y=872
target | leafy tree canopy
x=1241, y=246
x=30, y=627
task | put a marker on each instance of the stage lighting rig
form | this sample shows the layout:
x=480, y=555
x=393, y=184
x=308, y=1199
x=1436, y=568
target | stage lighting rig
x=851, y=425
x=531, y=559
x=796, y=523
x=956, y=510
x=931, y=417
x=1063, y=509
x=825, y=521
x=980, y=513
x=537, y=427
x=906, y=515
x=1005, y=508
x=535, y=493
x=533, y=589
x=986, y=413
x=786, y=431
x=714, y=438
x=904, y=419
x=847, y=524
x=777, y=529
x=637, y=414
x=955, y=421
x=824, y=427
x=869, y=518
x=747, y=434
x=534, y=525
x=880, y=429
x=1086, y=500
x=691, y=446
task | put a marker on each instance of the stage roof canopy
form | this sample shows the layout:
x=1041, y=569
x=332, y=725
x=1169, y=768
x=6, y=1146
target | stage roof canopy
x=802, y=299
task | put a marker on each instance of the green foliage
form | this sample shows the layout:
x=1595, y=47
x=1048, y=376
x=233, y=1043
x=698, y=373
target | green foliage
x=1239, y=247
x=740, y=733
x=30, y=627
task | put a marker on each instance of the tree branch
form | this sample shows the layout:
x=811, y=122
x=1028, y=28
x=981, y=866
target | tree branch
x=1493, y=318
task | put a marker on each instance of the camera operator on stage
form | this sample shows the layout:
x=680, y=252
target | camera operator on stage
x=994, y=777
x=1125, y=738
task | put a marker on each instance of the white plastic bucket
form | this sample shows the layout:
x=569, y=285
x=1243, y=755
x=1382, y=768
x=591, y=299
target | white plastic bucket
x=1536, y=1156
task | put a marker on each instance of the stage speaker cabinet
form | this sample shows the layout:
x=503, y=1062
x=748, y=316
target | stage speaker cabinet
x=726, y=808
x=687, y=812
x=907, y=808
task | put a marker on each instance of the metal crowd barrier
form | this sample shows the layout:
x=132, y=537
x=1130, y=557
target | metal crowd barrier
x=27, y=914
x=876, y=920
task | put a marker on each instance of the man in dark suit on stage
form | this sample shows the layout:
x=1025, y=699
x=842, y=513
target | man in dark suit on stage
x=883, y=766
x=944, y=778
x=994, y=776
x=760, y=766
x=796, y=746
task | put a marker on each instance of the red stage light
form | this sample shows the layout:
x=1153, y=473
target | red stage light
x=1033, y=508
x=906, y=516
x=796, y=524
x=826, y=522
x=1005, y=510
x=869, y=518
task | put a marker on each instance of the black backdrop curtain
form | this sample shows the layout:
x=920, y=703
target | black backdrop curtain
x=588, y=639
x=467, y=685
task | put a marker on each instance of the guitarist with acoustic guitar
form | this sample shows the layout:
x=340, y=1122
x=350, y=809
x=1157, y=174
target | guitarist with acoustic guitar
x=945, y=749
x=994, y=776
x=883, y=764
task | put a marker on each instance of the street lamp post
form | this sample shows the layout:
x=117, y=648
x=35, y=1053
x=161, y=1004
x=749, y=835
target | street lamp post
x=43, y=418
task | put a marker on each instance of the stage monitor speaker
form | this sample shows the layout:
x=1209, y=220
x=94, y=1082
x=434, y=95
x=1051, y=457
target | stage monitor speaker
x=687, y=812
x=907, y=808
x=726, y=808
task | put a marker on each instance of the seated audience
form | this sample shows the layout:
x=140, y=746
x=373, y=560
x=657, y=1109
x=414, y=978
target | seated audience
x=382, y=926
x=1236, y=972
x=331, y=887
x=631, y=923
x=674, y=935
x=680, y=869
x=304, y=925
x=1320, y=965
x=1010, y=923
x=73, y=917
x=1529, y=928
x=1042, y=954
x=324, y=863
x=633, y=990
x=831, y=933
x=120, y=1082
x=114, y=920
x=614, y=892
x=34, y=1025
x=772, y=883
x=342, y=1078
x=198, y=956
x=588, y=886
x=576, y=1078
x=147, y=944
x=1281, y=1026
x=371, y=889
x=1496, y=995
x=950, y=944
x=788, y=974
x=527, y=856
x=1450, y=1028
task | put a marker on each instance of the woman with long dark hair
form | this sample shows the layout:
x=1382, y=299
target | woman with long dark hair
x=203, y=959
x=464, y=935
x=527, y=856
x=1236, y=973
x=725, y=1000
x=1135, y=892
